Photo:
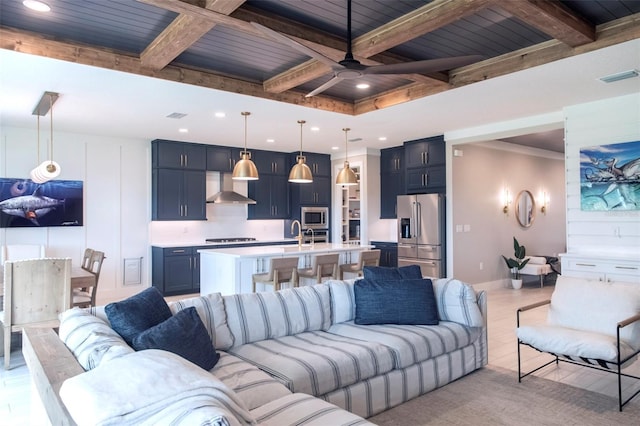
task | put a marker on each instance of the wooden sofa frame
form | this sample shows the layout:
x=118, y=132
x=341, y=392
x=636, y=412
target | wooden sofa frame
x=602, y=365
x=50, y=363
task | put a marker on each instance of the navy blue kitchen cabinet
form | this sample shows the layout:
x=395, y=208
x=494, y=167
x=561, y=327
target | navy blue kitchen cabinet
x=425, y=166
x=388, y=253
x=271, y=190
x=178, y=194
x=178, y=155
x=392, y=180
x=320, y=164
x=222, y=158
x=176, y=270
x=270, y=162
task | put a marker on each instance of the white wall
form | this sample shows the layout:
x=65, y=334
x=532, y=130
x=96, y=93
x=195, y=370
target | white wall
x=481, y=231
x=600, y=123
x=116, y=178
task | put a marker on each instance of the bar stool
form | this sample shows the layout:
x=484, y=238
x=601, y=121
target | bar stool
x=281, y=270
x=323, y=265
x=367, y=258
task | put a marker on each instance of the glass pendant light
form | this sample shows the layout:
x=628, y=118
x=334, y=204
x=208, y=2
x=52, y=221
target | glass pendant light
x=300, y=172
x=346, y=175
x=49, y=169
x=245, y=169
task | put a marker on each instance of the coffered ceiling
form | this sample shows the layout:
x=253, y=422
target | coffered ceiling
x=213, y=44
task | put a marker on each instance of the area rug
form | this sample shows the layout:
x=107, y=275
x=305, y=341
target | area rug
x=493, y=396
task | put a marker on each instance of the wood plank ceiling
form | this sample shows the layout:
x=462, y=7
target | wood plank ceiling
x=212, y=43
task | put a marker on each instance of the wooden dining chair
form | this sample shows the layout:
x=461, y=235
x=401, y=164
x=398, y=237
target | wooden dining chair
x=322, y=266
x=36, y=291
x=86, y=259
x=281, y=270
x=86, y=297
x=367, y=258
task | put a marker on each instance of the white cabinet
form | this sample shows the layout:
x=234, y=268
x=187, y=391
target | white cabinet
x=601, y=268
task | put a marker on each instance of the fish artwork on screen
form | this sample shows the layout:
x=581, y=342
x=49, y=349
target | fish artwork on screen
x=24, y=203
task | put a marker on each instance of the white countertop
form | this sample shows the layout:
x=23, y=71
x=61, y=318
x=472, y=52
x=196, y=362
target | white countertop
x=203, y=243
x=273, y=251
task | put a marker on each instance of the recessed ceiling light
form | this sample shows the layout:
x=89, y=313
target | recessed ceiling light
x=315, y=129
x=335, y=148
x=38, y=6
x=271, y=140
x=382, y=138
x=183, y=130
x=220, y=114
x=619, y=76
x=362, y=86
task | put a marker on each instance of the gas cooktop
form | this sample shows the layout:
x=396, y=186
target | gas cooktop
x=229, y=240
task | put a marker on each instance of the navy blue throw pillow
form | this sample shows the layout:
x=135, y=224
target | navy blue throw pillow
x=138, y=313
x=409, y=301
x=184, y=335
x=390, y=273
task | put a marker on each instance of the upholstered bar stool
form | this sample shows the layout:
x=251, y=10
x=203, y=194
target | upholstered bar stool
x=322, y=266
x=281, y=270
x=367, y=258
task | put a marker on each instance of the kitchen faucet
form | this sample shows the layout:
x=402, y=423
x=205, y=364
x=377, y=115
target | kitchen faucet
x=313, y=235
x=299, y=236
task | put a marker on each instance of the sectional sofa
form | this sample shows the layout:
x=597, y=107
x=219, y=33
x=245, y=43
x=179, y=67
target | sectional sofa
x=332, y=353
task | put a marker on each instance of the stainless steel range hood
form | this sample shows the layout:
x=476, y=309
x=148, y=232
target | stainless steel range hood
x=227, y=195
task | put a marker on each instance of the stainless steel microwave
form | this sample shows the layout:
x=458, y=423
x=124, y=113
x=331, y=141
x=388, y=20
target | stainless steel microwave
x=315, y=217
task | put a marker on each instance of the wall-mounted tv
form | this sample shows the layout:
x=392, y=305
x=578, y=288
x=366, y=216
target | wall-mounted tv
x=24, y=203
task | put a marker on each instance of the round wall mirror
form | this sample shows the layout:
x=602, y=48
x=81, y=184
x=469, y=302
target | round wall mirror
x=525, y=209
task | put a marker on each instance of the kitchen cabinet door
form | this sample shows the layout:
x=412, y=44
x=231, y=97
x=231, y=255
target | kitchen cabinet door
x=424, y=152
x=270, y=162
x=272, y=197
x=178, y=155
x=392, y=160
x=222, y=158
x=388, y=253
x=316, y=193
x=391, y=185
x=320, y=164
x=178, y=195
x=427, y=180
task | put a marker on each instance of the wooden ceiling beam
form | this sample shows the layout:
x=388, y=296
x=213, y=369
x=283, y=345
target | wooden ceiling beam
x=552, y=18
x=182, y=33
x=609, y=34
x=36, y=44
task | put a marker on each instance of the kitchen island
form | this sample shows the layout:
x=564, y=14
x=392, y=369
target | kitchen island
x=229, y=271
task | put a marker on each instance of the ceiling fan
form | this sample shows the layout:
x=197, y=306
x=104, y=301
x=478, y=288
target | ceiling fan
x=350, y=68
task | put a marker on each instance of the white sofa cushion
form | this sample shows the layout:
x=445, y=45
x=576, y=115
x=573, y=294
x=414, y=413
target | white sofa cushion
x=252, y=385
x=457, y=302
x=343, y=300
x=213, y=315
x=412, y=343
x=254, y=317
x=299, y=408
x=585, y=346
x=596, y=307
x=317, y=362
x=91, y=340
x=151, y=387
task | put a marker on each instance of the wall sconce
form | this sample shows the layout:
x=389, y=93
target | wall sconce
x=506, y=201
x=545, y=203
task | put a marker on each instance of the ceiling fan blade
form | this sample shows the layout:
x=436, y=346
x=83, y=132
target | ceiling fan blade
x=332, y=82
x=296, y=45
x=423, y=67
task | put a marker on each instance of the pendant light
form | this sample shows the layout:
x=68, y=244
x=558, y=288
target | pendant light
x=346, y=175
x=49, y=169
x=245, y=169
x=300, y=172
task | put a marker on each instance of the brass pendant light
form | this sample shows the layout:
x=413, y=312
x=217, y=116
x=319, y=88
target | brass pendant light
x=49, y=169
x=245, y=169
x=346, y=175
x=300, y=172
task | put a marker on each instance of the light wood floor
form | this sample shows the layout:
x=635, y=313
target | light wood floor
x=15, y=390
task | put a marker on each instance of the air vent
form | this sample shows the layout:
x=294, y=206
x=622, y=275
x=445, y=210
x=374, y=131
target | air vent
x=619, y=76
x=355, y=140
x=176, y=115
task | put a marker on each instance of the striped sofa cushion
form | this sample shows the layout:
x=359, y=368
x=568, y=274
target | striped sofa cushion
x=213, y=315
x=258, y=316
x=253, y=386
x=457, y=302
x=343, y=300
x=299, y=408
x=91, y=340
x=317, y=362
x=411, y=343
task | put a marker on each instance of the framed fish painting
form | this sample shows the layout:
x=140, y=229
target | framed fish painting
x=610, y=177
x=24, y=203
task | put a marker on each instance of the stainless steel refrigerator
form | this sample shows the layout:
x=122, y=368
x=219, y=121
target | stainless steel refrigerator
x=421, y=233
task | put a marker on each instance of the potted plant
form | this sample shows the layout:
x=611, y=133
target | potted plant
x=517, y=263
